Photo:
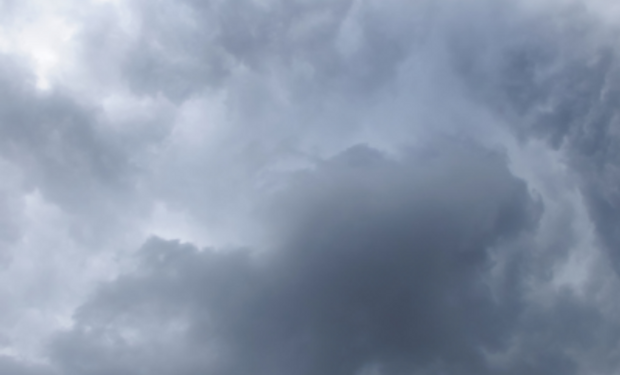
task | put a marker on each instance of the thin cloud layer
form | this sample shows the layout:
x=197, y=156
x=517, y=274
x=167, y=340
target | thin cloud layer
x=293, y=187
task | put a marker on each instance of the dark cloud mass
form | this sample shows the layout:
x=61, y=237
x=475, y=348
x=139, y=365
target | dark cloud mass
x=346, y=187
x=386, y=266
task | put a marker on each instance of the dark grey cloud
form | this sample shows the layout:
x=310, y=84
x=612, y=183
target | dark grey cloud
x=382, y=264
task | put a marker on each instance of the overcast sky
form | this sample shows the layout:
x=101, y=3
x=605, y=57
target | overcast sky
x=309, y=187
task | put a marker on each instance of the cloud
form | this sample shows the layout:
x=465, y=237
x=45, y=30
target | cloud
x=68, y=187
x=348, y=187
x=560, y=85
x=382, y=263
x=10, y=366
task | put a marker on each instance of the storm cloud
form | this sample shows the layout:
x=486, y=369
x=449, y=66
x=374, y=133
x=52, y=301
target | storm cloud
x=309, y=187
x=383, y=264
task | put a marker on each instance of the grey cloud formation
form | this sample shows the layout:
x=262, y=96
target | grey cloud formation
x=319, y=187
x=562, y=87
x=384, y=267
x=384, y=264
x=68, y=191
x=10, y=366
x=183, y=48
x=65, y=149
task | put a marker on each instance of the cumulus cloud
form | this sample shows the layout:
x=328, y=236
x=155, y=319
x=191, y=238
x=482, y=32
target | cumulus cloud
x=341, y=187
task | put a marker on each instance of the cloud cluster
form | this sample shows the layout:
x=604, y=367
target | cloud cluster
x=303, y=187
x=384, y=264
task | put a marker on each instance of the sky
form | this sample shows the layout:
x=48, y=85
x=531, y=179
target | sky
x=305, y=187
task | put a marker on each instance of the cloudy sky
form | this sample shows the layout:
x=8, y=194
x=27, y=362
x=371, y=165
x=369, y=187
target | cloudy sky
x=309, y=187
